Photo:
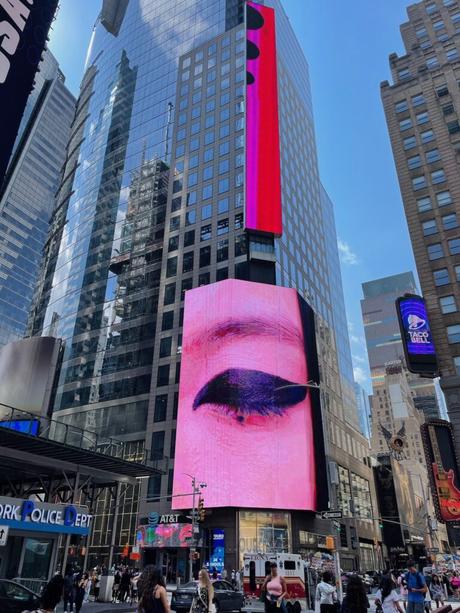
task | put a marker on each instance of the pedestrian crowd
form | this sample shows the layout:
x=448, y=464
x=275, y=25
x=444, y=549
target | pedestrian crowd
x=410, y=591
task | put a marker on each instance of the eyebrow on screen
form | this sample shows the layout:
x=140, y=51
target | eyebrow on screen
x=247, y=327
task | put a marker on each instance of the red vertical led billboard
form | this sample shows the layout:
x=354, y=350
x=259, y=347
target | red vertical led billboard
x=263, y=176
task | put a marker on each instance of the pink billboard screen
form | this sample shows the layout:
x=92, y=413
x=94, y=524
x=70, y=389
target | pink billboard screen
x=246, y=426
x=263, y=176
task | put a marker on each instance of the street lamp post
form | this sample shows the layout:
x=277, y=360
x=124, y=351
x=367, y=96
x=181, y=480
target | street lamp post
x=196, y=489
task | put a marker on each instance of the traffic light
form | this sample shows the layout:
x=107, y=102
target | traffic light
x=330, y=543
x=201, y=510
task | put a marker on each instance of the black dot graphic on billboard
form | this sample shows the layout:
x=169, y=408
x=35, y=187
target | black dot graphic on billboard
x=252, y=50
x=254, y=20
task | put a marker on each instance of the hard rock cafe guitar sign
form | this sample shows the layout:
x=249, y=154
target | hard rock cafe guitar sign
x=444, y=474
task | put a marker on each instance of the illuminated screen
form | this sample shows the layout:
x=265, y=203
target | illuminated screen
x=164, y=535
x=416, y=334
x=263, y=182
x=244, y=426
x=27, y=426
x=217, y=557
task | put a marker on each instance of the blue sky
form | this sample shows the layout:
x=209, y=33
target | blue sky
x=347, y=46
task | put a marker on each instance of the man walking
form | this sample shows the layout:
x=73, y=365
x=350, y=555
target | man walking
x=416, y=588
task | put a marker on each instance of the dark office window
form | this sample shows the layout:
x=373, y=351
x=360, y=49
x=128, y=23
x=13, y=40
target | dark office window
x=165, y=347
x=206, y=232
x=170, y=293
x=158, y=445
x=174, y=223
x=181, y=317
x=453, y=127
x=177, y=377
x=161, y=405
x=163, y=375
x=205, y=256
x=189, y=238
x=172, y=446
x=171, y=266
x=221, y=274
x=222, y=226
x=170, y=481
x=168, y=320
x=176, y=204
x=187, y=264
x=204, y=278
x=240, y=245
x=154, y=487
x=173, y=243
x=175, y=404
x=222, y=250
x=186, y=285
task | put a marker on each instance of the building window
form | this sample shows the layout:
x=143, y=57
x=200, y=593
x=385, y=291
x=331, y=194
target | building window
x=422, y=117
x=427, y=136
x=189, y=238
x=206, y=212
x=190, y=218
x=409, y=143
x=432, y=62
x=187, y=264
x=448, y=2
x=432, y=156
x=170, y=293
x=361, y=496
x=222, y=206
x=186, y=285
x=435, y=251
x=208, y=155
x=453, y=334
x=443, y=198
x=441, y=277
x=154, y=487
x=191, y=198
x=168, y=320
x=448, y=109
x=158, y=445
x=457, y=364
x=421, y=32
x=419, y=182
x=448, y=304
x=240, y=245
x=424, y=204
x=222, y=250
x=163, y=375
x=418, y=99
x=224, y=166
x=414, y=162
x=207, y=191
x=401, y=106
x=174, y=224
x=344, y=491
x=176, y=204
x=192, y=179
x=222, y=226
x=431, y=8
x=224, y=185
x=171, y=266
x=457, y=273
x=161, y=405
x=173, y=243
x=205, y=233
x=453, y=127
x=438, y=176
x=204, y=278
x=455, y=17
x=221, y=274
x=405, y=124
x=449, y=221
x=404, y=73
x=454, y=246
x=205, y=256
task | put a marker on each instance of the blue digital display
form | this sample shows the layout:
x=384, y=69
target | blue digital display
x=217, y=557
x=27, y=426
x=416, y=326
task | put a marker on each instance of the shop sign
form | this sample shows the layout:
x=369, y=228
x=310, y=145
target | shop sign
x=44, y=517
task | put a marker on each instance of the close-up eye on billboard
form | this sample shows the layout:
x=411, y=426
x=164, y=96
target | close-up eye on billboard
x=246, y=425
x=263, y=175
x=416, y=335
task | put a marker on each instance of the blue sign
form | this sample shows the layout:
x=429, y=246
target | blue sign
x=416, y=334
x=217, y=557
x=27, y=426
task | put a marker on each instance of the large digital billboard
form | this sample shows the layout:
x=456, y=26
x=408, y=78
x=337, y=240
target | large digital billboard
x=24, y=26
x=440, y=455
x=416, y=335
x=263, y=175
x=164, y=535
x=246, y=426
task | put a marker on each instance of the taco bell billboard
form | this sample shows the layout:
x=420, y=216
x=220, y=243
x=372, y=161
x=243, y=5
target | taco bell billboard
x=416, y=335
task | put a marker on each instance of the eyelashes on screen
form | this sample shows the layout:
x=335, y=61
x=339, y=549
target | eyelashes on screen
x=240, y=393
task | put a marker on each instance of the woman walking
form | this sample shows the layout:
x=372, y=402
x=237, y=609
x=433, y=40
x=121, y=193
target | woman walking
x=387, y=597
x=275, y=589
x=203, y=600
x=152, y=592
x=326, y=594
x=356, y=600
x=80, y=590
x=437, y=591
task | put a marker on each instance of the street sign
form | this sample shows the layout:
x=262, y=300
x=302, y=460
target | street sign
x=3, y=535
x=331, y=514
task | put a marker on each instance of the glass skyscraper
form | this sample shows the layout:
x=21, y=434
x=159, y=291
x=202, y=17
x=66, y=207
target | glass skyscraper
x=152, y=205
x=27, y=194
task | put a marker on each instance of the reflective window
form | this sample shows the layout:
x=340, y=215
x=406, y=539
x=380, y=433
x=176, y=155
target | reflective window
x=443, y=198
x=424, y=204
x=448, y=304
x=441, y=277
x=429, y=227
x=435, y=251
x=453, y=333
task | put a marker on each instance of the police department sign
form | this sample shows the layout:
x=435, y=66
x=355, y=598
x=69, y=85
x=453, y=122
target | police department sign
x=44, y=517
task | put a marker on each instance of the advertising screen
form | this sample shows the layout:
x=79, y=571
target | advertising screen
x=263, y=175
x=217, y=557
x=416, y=335
x=440, y=455
x=164, y=535
x=246, y=425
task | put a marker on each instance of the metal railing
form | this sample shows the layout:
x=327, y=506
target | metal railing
x=51, y=429
x=35, y=585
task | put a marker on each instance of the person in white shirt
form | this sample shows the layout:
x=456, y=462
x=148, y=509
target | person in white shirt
x=388, y=597
x=326, y=593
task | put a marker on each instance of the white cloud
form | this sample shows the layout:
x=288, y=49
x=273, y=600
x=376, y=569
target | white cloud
x=360, y=375
x=359, y=359
x=347, y=256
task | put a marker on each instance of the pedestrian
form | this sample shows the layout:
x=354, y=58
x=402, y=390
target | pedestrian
x=116, y=585
x=80, y=590
x=232, y=577
x=356, y=600
x=455, y=583
x=427, y=603
x=416, y=589
x=437, y=591
x=402, y=583
x=326, y=594
x=203, y=599
x=224, y=574
x=238, y=580
x=387, y=598
x=97, y=583
x=151, y=586
x=87, y=589
x=275, y=589
x=68, y=589
x=125, y=584
x=51, y=595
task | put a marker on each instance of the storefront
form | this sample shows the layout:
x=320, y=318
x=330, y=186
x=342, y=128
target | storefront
x=32, y=532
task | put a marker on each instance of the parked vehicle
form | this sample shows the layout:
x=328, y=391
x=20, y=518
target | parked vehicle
x=15, y=598
x=226, y=597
